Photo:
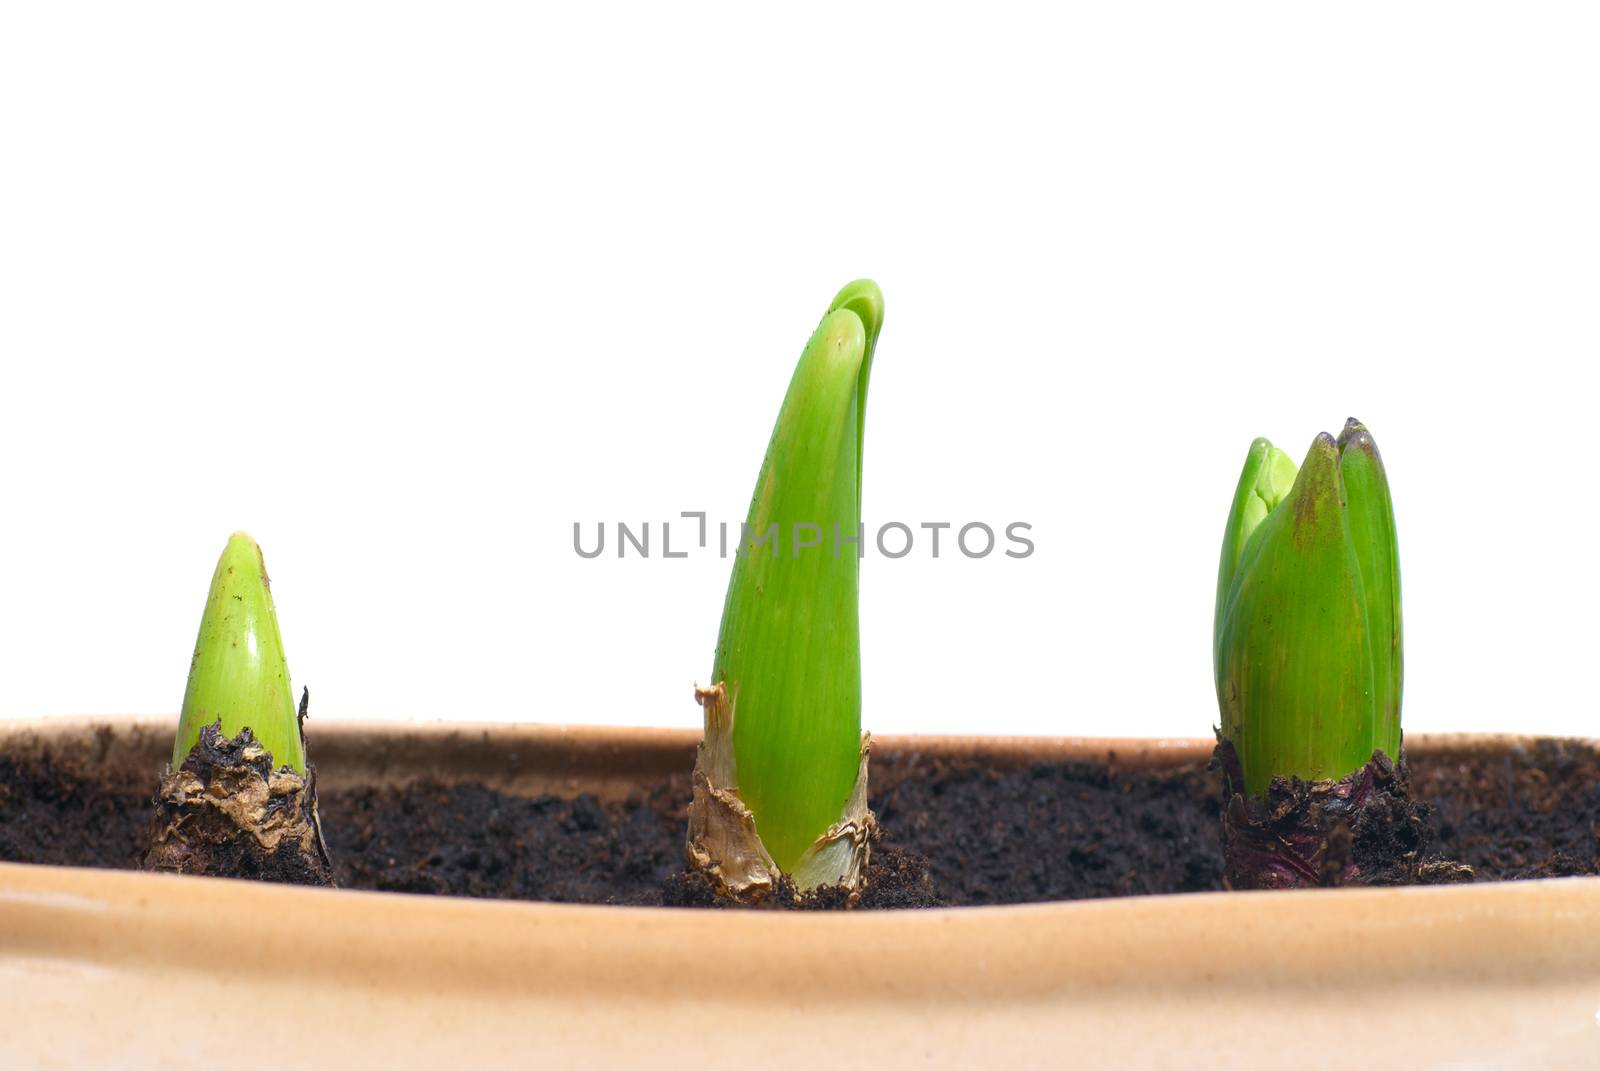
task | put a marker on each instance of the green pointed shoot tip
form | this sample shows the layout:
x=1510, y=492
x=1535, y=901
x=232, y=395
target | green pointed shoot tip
x=238, y=673
x=1267, y=477
x=1307, y=638
x=789, y=652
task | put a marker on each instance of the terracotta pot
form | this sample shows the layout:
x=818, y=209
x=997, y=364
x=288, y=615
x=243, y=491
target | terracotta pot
x=107, y=969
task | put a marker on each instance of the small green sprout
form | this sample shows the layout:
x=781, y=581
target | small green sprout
x=239, y=799
x=238, y=674
x=787, y=673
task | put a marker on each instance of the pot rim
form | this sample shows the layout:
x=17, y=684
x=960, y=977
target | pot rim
x=528, y=758
x=454, y=739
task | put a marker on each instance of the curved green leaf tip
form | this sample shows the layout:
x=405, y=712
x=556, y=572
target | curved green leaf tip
x=1307, y=639
x=789, y=651
x=238, y=673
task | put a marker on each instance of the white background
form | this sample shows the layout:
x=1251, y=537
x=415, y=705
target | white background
x=406, y=290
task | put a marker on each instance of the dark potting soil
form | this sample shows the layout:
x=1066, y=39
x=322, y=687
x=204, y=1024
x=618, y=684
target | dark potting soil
x=953, y=833
x=1532, y=814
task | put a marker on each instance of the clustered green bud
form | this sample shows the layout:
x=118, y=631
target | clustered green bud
x=1307, y=631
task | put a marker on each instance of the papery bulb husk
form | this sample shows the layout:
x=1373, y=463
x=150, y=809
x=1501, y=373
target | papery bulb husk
x=226, y=812
x=725, y=847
